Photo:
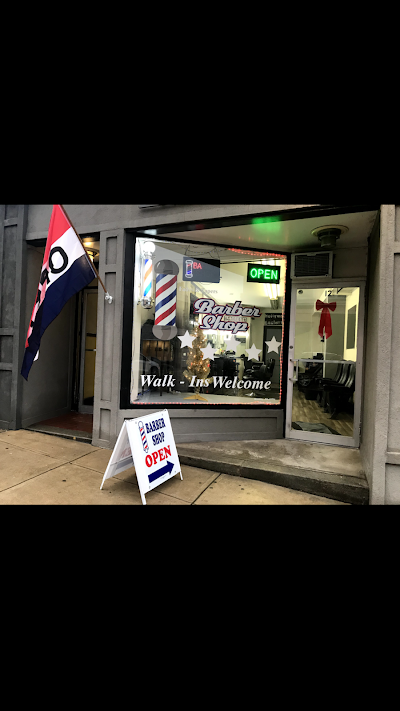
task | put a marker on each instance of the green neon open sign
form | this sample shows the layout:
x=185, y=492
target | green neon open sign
x=263, y=274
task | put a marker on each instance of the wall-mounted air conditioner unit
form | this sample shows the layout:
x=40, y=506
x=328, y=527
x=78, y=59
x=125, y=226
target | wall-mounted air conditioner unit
x=311, y=265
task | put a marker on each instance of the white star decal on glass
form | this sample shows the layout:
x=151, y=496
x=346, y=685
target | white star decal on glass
x=186, y=340
x=208, y=352
x=232, y=344
x=273, y=345
x=253, y=352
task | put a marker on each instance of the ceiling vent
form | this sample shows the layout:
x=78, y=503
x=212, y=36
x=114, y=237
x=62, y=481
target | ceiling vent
x=311, y=265
x=329, y=234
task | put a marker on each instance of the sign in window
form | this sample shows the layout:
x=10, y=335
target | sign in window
x=263, y=274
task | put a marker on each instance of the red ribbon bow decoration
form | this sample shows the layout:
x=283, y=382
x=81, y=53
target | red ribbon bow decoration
x=325, y=322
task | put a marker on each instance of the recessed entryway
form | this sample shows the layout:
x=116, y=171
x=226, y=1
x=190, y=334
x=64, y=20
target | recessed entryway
x=73, y=425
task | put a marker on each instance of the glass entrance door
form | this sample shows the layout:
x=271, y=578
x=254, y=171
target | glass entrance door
x=325, y=363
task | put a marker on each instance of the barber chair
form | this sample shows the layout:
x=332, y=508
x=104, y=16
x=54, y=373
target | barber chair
x=306, y=382
x=270, y=366
x=340, y=382
x=339, y=377
x=216, y=367
x=318, y=390
x=338, y=394
x=260, y=371
x=229, y=368
x=222, y=366
x=251, y=367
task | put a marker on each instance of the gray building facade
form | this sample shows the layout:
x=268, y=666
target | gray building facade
x=363, y=283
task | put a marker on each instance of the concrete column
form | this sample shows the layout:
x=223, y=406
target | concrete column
x=109, y=338
x=392, y=402
x=13, y=248
x=380, y=447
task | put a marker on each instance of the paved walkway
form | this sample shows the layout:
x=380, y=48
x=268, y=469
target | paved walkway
x=37, y=469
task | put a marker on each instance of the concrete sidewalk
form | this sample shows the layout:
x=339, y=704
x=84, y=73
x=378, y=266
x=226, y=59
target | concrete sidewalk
x=37, y=469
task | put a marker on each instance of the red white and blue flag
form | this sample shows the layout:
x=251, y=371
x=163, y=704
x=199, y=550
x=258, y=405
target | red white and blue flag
x=66, y=270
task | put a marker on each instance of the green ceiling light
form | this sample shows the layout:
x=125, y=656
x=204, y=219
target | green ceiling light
x=267, y=224
x=265, y=220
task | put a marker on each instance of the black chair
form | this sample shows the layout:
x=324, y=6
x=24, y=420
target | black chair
x=316, y=391
x=250, y=369
x=252, y=366
x=262, y=372
x=338, y=394
x=229, y=368
x=321, y=395
x=266, y=371
x=221, y=366
x=270, y=364
x=216, y=367
x=341, y=381
x=306, y=382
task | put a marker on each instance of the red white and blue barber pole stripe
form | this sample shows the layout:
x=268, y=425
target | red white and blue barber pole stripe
x=148, y=279
x=166, y=300
x=143, y=436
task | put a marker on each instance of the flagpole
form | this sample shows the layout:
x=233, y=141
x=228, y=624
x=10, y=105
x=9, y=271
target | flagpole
x=108, y=297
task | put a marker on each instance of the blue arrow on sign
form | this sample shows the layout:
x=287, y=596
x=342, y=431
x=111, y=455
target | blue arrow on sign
x=167, y=469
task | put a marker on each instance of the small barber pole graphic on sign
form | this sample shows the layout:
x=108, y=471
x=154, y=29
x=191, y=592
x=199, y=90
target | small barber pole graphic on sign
x=143, y=436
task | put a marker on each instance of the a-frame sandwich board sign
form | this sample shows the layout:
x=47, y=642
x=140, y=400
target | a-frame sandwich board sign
x=148, y=444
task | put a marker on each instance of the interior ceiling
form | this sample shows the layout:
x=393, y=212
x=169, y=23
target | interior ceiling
x=233, y=285
x=307, y=297
x=286, y=235
x=225, y=255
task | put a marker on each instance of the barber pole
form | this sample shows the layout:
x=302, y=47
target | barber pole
x=167, y=272
x=147, y=283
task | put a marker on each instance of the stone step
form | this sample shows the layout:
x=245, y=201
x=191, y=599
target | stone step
x=76, y=435
x=340, y=487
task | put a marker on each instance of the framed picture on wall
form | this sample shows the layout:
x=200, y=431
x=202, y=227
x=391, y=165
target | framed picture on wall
x=351, y=327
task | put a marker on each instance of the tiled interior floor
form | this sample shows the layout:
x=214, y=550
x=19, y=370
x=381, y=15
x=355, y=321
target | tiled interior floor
x=310, y=411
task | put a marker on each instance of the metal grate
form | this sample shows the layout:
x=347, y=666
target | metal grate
x=309, y=265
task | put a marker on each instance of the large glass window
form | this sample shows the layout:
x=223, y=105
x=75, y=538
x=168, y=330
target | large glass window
x=207, y=326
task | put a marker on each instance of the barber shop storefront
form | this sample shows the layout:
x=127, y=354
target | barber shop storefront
x=242, y=333
x=247, y=322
